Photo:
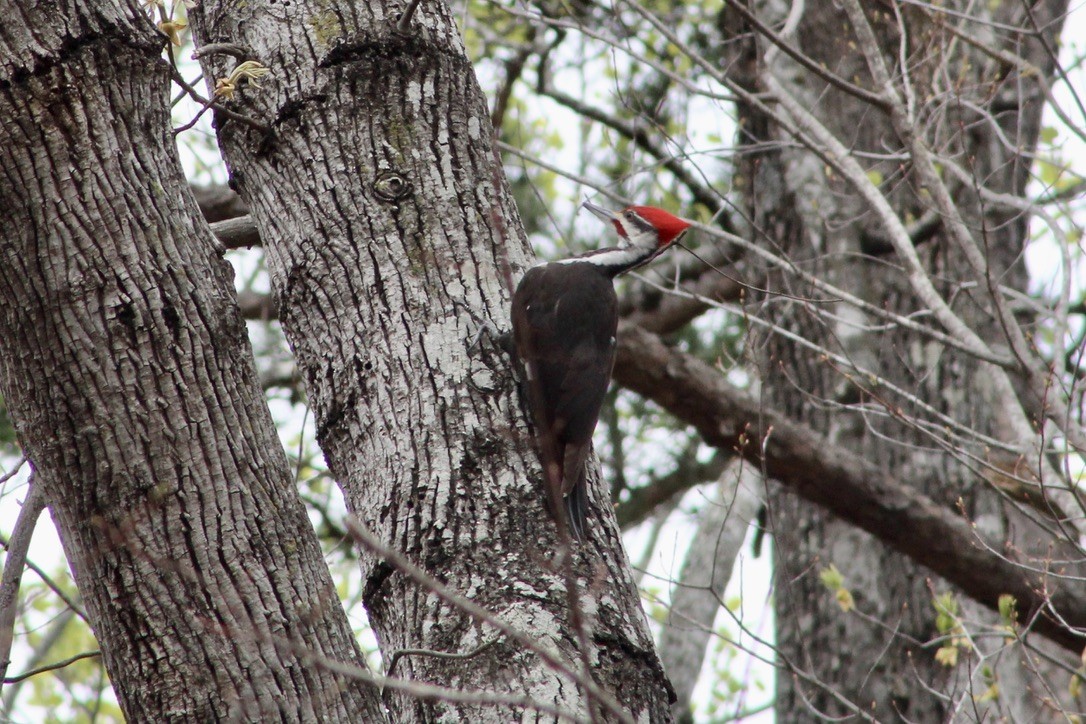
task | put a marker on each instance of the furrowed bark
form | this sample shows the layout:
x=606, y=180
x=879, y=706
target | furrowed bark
x=389, y=233
x=129, y=376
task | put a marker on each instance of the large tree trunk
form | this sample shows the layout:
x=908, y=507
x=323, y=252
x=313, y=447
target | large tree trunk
x=126, y=368
x=390, y=233
x=875, y=663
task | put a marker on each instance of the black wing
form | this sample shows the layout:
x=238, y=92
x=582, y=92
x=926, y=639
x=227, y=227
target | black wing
x=565, y=319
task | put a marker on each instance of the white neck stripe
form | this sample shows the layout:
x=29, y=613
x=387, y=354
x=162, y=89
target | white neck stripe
x=620, y=258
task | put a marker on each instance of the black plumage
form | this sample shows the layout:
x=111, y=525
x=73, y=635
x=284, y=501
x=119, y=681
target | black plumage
x=565, y=318
x=565, y=338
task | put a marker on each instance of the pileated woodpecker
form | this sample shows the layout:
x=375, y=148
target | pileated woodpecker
x=565, y=316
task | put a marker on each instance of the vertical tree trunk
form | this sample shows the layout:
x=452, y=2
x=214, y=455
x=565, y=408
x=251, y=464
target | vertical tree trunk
x=389, y=233
x=126, y=368
x=820, y=224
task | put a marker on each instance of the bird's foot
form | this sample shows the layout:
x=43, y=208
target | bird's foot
x=487, y=330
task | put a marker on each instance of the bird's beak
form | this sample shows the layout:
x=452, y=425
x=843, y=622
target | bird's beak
x=599, y=211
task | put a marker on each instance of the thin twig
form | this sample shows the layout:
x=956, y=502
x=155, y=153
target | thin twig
x=52, y=667
x=419, y=689
x=787, y=266
x=362, y=535
x=703, y=193
x=17, y=548
x=207, y=102
x=924, y=162
x=195, y=119
x=11, y=473
x=399, y=654
x=44, y=642
x=833, y=79
x=51, y=584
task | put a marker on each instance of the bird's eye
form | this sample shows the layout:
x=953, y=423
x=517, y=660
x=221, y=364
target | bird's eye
x=629, y=215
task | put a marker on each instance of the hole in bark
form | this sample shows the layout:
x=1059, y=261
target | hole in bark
x=391, y=186
x=171, y=317
x=126, y=315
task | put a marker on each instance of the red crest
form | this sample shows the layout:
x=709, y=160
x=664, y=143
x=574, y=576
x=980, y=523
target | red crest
x=668, y=226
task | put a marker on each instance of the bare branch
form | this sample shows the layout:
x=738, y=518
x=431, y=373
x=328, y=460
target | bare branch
x=644, y=500
x=52, y=667
x=831, y=78
x=701, y=192
x=699, y=592
x=850, y=487
x=1014, y=421
x=17, y=547
x=218, y=202
x=424, y=691
x=364, y=537
x=237, y=233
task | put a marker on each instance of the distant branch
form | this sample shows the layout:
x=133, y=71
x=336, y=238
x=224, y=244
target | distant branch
x=643, y=501
x=851, y=488
x=660, y=312
x=702, y=193
x=17, y=548
x=218, y=202
x=237, y=233
x=818, y=69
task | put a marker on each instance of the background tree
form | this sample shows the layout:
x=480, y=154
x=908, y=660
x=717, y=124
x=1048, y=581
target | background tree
x=860, y=327
x=934, y=147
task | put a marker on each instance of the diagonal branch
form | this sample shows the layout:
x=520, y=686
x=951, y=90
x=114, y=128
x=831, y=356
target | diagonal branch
x=643, y=139
x=851, y=488
x=698, y=593
x=13, y=569
x=817, y=68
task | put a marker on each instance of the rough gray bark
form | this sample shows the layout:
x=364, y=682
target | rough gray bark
x=389, y=232
x=129, y=376
x=818, y=221
x=699, y=591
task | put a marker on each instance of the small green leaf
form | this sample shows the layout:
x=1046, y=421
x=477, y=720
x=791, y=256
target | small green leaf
x=1008, y=609
x=834, y=581
x=831, y=578
x=947, y=656
x=946, y=612
x=990, y=694
x=1074, y=688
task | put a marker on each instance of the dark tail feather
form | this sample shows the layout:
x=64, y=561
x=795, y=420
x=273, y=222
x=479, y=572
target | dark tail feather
x=577, y=509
